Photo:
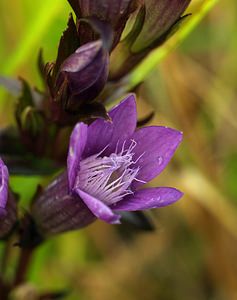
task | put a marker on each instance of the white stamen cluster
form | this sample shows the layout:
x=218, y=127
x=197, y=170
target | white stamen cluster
x=108, y=178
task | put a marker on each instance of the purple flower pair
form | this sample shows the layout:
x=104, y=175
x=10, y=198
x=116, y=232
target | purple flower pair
x=108, y=163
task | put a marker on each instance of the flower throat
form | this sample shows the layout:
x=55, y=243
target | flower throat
x=109, y=178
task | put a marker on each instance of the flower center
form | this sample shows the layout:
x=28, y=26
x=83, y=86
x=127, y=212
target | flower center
x=108, y=178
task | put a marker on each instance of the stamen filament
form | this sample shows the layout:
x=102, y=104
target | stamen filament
x=109, y=178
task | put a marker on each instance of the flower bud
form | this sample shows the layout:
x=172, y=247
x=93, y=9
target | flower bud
x=82, y=76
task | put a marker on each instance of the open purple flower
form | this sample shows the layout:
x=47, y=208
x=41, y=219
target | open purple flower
x=108, y=163
x=8, y=213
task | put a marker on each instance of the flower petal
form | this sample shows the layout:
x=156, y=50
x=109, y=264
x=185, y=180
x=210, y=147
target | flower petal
x=98, y=208
x=148, y=198
x=8, y=216
x=77, y=144
x=102, y=133
x=4, y=176
x=155, y=147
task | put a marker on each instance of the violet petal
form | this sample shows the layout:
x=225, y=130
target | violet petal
x=98, y=208
x=78, y=141
x=8, y=216
x=148, y=198
x=4, y=176
x=155, y=147
x=102, y=133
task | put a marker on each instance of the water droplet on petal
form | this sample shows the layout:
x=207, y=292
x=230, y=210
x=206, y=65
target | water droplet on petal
x=160, y=160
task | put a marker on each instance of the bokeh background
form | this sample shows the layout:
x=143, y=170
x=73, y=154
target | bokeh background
x=192, y=254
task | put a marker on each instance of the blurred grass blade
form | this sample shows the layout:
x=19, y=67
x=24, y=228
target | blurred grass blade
x=211, y=198
x=13, y=86
x=40, y=24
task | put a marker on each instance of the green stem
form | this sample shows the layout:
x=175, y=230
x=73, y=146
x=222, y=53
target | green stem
x=40, y=23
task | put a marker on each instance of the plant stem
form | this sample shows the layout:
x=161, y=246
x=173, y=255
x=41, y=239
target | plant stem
x=23, y=264
x=5, y=256
x=4, y=290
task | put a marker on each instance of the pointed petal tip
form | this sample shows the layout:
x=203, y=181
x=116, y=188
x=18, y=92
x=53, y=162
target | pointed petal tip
x=123, y=125
x=131, y=97
x=98, y=208
x=149, y=198
x=179, y=136
x=156, y=146
x=129, y=100
x=115, y=220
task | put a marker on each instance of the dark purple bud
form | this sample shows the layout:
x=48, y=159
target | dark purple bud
x=160, y=16
x=114, y=12
x=82, y=76
x=8, y=211
x=57, y=210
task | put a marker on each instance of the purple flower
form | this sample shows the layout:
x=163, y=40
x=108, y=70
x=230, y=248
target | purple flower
x=8, y=215
x=108, y=163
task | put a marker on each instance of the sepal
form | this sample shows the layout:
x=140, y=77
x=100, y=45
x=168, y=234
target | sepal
x=57, y=210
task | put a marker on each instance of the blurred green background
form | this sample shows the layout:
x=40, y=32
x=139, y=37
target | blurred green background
x=193, y=252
